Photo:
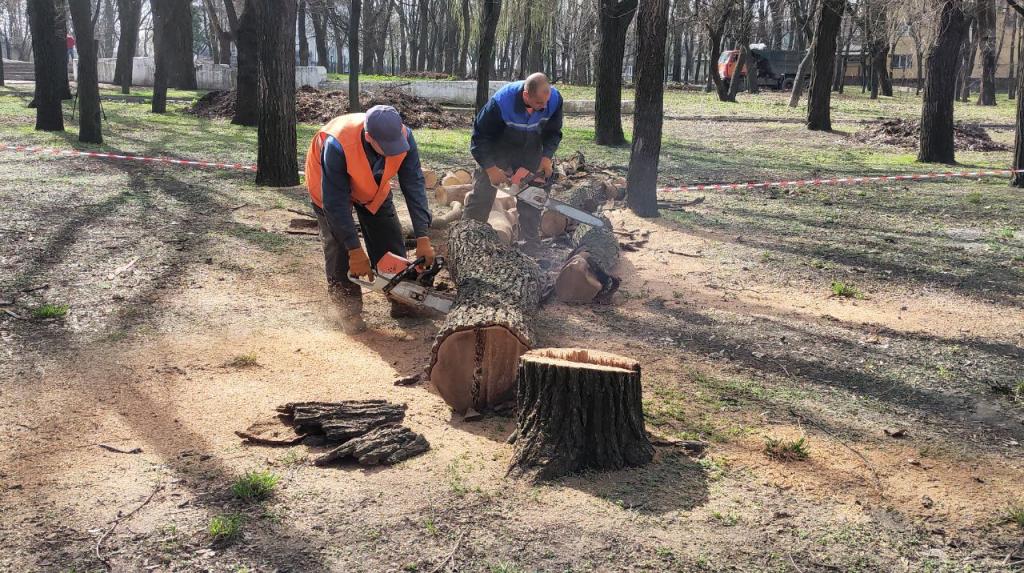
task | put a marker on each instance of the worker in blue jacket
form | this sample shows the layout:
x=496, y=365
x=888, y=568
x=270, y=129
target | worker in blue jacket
x=521, y=126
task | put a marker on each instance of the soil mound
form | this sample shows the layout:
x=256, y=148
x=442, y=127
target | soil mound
x=318, y=106
x=907, y=133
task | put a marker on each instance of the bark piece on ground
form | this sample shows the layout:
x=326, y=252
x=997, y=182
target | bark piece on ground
x=270, y=433
x=386, y=445
x=475, y=355
x=579, y=410
x=341, y=421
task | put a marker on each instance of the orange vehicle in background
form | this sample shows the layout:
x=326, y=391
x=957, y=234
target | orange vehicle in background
x=776, y=69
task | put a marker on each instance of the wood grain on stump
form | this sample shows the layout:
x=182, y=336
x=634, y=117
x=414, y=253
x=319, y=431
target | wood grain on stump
x=578, y=410
x=474, y=358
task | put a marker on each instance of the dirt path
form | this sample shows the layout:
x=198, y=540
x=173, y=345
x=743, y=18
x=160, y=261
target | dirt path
x=736, y=345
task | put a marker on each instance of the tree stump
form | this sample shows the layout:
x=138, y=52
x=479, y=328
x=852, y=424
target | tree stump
x=474, y=358
x=587, y=273
x=578, y=410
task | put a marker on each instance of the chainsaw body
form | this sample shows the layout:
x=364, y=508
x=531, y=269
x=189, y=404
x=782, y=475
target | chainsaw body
x=408, y=282
x=526, y=188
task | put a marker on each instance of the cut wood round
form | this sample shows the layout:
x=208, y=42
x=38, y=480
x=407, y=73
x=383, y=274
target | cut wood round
x=430, y=179
x=578, y=410
x=588, y=272
x=457, y=177
x=475, y=356
x=505, y=223
x=446, y=194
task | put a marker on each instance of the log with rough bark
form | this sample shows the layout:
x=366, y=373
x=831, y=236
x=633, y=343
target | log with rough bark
x=341, y=421
x=475, y=356
x=588, y=197
x=587, y=273
x=385, y=445
x=578, y=410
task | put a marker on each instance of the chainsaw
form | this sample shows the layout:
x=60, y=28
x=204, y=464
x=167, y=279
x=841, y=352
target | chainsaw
x=528, y=188
x=408, y=282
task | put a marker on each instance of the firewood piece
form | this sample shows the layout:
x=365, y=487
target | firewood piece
x=505, y=223
x=457, y=177
x=578, y=410
x=386, y=445
x=430, y=179
x=442, y=221
x=474, y=358
x=588, y=273
x=446, y=194
x=341, y=421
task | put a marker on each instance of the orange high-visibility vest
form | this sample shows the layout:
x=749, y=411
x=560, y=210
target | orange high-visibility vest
x=348, y=130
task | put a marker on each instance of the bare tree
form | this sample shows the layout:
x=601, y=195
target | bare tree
x=247, y=77
x=48, y=55
x=353, y=56
x=642, y=180
x=301, y=33
x=936, y=145
x=1017, y=179
x=89, y=127
x=986, y=16
x=823, y=53
x=130, y=14
x=276, y=163
x=490, y=11
x=614, y=18
x=716, y=17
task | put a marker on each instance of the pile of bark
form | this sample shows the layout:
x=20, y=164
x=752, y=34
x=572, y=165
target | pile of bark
x=320, y=106
x=907, y=133
x=366, y=431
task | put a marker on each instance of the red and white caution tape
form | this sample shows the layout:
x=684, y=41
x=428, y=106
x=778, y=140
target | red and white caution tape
x=138, y=158
x=682, y=188
x=838, y=180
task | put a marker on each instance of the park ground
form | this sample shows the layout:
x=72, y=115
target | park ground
x=882, y=324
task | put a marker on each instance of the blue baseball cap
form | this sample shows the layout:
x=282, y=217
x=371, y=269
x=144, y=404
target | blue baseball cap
x=385, y=126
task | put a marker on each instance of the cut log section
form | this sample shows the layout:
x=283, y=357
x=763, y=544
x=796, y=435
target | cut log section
x=475, y=356
x=443, y=221
x=588, y=197
x=587, y=275
x=446, y=194
x=578, y=410
x=457, y=177
x=430, y=179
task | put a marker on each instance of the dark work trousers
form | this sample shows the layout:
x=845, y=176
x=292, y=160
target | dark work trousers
x=382, y=233
x=478, y=205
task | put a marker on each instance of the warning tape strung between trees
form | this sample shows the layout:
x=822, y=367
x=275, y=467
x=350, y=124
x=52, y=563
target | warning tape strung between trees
x=678, y=189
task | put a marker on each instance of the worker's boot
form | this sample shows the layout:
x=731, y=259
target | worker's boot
x=349, y=303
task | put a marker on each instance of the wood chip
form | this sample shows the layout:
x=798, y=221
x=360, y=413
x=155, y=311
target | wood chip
x=117, y=450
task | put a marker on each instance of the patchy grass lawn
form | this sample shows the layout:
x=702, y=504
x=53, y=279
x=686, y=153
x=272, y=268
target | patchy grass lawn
x=845, y=433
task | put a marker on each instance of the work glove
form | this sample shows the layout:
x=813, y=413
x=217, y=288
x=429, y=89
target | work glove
x=359, y=264
x=545, y=167
x=425, y=250
x=496, y=175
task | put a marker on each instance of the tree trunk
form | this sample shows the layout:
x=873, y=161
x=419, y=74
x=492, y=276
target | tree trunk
x=276, y=161
x=107, y=30
x=986, y=10
x=159, y=17
x=181, y=71
x=969, y=50
x=578, y=410
x=89, y=128
x=303, y=40
x=936, y=144
x=642, y=180
x=1014, y=48
x=130, y=14
x=474, y=357
x=464, y=39
x=48, y=55
x=248, y=75
x=353, y=56
x=615, y=16
x=715, y=23
x=1017, y=179
x=823, y=52
x=320, y=36
x=424, y=21
x=490, y=11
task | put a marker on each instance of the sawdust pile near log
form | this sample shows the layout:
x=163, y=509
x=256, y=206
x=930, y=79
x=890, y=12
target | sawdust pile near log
x=320, y=106
x=907, y=133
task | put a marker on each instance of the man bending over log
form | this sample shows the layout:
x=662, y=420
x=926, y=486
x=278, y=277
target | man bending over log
x=521, y=126
x=350, y=164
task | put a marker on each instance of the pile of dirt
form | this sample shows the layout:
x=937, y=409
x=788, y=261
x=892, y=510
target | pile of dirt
x=907, y=133
x=318, y=106
x=427, y=75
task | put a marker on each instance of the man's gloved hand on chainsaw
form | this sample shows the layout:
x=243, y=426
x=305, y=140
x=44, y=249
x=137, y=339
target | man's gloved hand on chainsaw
x=425, y=250
x=359, y=264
